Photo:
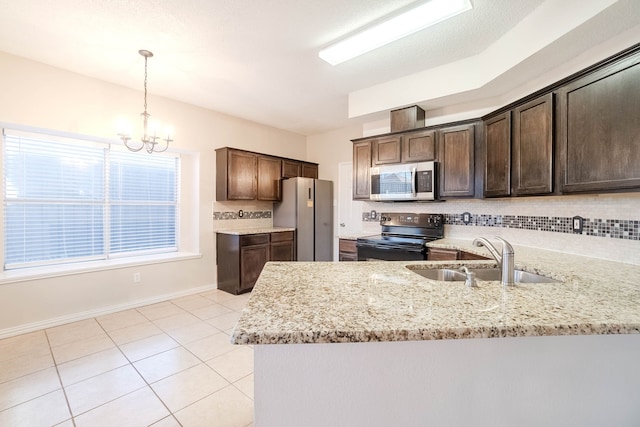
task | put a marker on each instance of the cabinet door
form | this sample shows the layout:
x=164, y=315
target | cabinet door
x=419, y=146
x=282, y=251
x=497, y=172
x=269, y=170
x=386, y=150
x=361, y=170
x=456, y=161
x=290, y=168
x=599, y=128
x=309, y=170
x=282, y=246
x=252, y=260
x=241, y=173
x=533, y=147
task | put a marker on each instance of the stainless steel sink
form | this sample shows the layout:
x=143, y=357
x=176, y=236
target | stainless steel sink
x=443, y=274
x=450, y=275
x=519, y=276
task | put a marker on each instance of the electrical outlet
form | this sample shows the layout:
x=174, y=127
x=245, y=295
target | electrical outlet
x=466, y=217
x=240, y=213
x=577, y=224
x=373, y=214
x=136, y=278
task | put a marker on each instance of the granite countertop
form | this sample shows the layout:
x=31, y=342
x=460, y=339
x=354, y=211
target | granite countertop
x=355, y=235
x=326, y=302
x=255, y=230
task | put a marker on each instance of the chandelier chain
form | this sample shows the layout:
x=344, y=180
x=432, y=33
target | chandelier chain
x=145, y=84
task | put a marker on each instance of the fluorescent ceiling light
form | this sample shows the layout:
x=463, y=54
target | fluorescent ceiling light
x=393, y=29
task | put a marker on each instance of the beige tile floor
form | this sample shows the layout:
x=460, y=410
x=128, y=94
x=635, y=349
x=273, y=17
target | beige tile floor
x=162, y=365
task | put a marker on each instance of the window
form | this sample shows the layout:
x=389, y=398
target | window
x=68, y=200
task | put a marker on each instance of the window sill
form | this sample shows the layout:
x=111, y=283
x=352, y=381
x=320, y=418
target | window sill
x=51, y=271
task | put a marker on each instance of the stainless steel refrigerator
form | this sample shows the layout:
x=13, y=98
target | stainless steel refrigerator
x=307, y=205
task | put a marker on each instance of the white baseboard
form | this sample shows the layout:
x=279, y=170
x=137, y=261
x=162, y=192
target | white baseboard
x=57, y=321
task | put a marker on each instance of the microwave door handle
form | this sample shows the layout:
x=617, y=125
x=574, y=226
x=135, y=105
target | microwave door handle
x=413, y=181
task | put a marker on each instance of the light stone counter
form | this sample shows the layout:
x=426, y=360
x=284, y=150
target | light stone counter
x=354, y=235
x=306, y=302
x=255, y=230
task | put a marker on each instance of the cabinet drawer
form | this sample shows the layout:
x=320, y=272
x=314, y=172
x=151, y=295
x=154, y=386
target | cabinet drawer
x=347, y=245
x=438, y=254
x=282, y=236
x=254, y=239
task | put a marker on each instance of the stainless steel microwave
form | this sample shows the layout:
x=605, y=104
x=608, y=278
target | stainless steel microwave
x=411, y=181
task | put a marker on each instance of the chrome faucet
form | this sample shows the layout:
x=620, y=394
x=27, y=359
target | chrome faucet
x=506, y=261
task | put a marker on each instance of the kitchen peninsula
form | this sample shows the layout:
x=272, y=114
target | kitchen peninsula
x=376, y=344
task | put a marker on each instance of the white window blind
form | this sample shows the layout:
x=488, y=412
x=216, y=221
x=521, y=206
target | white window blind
x=69, y=201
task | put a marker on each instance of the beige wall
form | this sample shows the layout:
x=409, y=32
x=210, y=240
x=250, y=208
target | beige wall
x=37, y=95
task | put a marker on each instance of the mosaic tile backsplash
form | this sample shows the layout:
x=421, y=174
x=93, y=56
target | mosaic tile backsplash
x=221, y=216
x=612, y=228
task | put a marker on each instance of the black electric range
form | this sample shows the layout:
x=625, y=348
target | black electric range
x=403, y=238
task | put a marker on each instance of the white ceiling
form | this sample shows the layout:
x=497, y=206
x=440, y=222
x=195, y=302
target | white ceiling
x=258, y=59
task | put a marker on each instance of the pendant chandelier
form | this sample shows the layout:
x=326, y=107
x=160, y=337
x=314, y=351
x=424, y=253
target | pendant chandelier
x=150, y=141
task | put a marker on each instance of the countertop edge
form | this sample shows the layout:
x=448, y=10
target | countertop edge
x=256, y=230
x=338, y=337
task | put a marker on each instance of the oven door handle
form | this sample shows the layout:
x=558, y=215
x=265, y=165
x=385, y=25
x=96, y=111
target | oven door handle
x=390, y=247
x=413, y=180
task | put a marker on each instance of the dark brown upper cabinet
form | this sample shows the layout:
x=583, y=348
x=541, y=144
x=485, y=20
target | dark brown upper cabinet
x=532, y=158
x=236, y=175
x=497, y=176
x=599, y=129
x=309, y=170
x=295, y=168
x=291, y=168
x=456, y=157
x=245, y=175
x=269, y=174
x=361, y=170
x=416, y=146
x=386, y=150
x=419, y=146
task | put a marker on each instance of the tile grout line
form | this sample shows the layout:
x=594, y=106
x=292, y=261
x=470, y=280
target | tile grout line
x=64, y=391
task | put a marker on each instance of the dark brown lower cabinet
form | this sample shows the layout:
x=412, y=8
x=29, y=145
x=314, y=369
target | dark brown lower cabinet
x=441, y=254
x=240, y=258
x=282, y=247
x=347, y=250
